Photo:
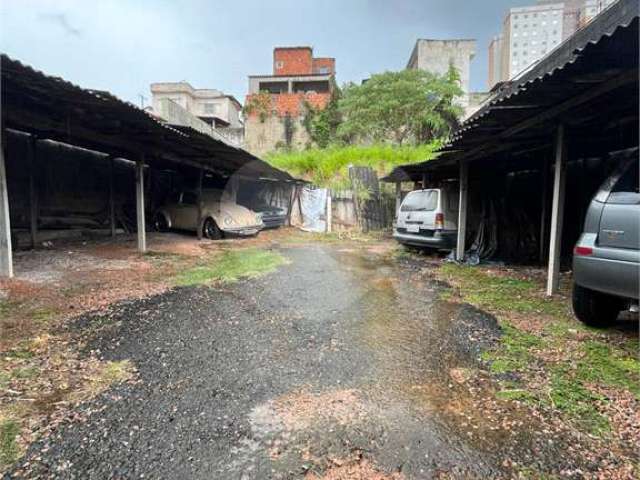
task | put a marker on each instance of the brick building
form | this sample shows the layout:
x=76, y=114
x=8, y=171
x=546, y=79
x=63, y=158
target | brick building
x=298, y=78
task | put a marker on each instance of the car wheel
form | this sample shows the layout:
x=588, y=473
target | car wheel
x=160, y=223
x=594, y=308
x=210, y=229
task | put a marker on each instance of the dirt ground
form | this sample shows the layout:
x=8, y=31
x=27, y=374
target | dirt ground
x=351, y=361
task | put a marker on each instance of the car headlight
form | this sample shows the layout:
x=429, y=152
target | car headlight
x=228, y=220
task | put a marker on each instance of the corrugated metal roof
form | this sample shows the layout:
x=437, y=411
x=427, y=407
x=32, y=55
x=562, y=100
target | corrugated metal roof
x=53, y=108
x=607, y=48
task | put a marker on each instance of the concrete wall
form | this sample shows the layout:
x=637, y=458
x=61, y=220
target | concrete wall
x=263, y=137
x=437, y=56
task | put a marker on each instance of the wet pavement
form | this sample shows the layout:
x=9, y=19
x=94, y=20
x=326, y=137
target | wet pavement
x=340, y=358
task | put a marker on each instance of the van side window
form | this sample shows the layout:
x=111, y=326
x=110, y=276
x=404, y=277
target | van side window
x=626, y=189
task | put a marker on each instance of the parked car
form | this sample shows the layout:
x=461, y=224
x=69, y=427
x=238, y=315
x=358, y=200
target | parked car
x=428, y=218
x=606, y=260
x=220, y=214
x=272, y=217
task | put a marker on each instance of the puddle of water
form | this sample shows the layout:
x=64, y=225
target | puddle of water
x=419, y=350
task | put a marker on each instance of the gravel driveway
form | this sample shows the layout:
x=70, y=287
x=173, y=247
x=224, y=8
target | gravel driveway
x=339, y=362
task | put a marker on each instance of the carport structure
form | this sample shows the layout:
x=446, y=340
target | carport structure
x=41, y=108
x=556, y=126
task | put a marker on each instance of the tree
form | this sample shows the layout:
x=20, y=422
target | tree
x=322, y=124
x=411, y=106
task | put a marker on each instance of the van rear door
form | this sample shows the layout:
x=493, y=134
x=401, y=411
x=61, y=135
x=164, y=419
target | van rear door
x=418, y=210
x=620, y=219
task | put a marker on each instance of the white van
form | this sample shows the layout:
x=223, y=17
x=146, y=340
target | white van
x=428, y=218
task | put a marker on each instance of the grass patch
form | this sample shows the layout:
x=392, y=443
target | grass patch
x=9, y=450
x=501, y=294
x=232, y=265
x=601, y=365
x=107, y=375
x=25, y=372
x=514, y=352
x=516, y=394
x=329, y=166
x=569, y=395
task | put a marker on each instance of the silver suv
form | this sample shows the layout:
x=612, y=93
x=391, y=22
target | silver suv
x=606, y=259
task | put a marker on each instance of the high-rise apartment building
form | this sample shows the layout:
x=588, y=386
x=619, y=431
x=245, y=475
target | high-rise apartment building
x=529, y=33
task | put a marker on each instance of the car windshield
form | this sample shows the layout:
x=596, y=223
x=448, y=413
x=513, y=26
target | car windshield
x=420, y=201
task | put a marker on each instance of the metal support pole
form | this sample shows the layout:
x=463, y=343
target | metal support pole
x=557, y=212
x=424, y=181
x=32, y=152
x=112, y=201
x=142, y=236
x=200, y=178
x=398, y=197
x=6, y=259
x=462, y=212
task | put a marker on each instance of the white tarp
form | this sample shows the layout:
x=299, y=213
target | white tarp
x=311, y=209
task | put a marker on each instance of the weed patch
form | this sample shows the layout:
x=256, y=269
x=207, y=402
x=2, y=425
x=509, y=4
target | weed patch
x=9, y=449
x=498, y=293
x=232, y=265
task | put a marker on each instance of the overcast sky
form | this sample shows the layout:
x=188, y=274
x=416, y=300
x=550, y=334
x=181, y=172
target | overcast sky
x=124, y=45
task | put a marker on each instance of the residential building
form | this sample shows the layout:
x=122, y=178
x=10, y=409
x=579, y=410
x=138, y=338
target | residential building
x=298, y=79
x=593, y=8
x=495, y=60
x=210, y=105
x=437, y=56
x=530, y=32
x=209, y=111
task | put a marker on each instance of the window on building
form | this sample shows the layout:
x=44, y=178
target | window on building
x=279, y=64
x=210, y=108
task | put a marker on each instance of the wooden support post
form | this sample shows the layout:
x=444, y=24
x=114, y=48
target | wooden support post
x=543, y=209
x=398, y=197
x=6, y=259
x=32, y=152
x=557, y=212
x=112, y=200
x=329, y=212
x=142, y=235
x=462, y=212
x=199, y=190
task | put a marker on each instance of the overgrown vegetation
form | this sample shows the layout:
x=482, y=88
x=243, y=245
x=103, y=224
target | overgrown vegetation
x=322, y=124
x=406, y=107
x=545, y=357
x=329, y=167
x=259, y=104
x=232, y=265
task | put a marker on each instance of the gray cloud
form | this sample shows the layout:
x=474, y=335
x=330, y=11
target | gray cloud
x=61, y=20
